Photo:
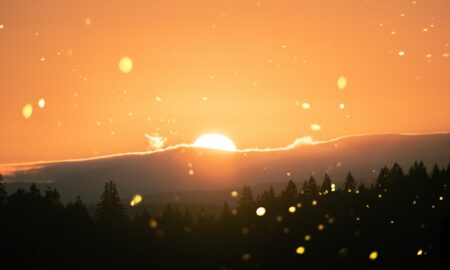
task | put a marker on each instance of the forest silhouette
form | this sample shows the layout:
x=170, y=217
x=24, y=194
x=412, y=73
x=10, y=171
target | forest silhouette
x=400, y=220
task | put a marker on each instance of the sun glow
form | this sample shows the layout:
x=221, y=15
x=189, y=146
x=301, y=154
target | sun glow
x=215, y=141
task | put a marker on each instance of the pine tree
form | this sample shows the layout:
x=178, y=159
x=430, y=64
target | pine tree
x=201, y=219
x=290, y=194
x=304, y=187
x=268, y=198
x=383, y=177
x=3, y=194
x=78, y=213
x=447, y=172
x=52, y=196
x=187, y=218
x=326, y=185
x=110, y=209
x=246, y=201
x=350, y=183
x=34, y=193
x=396, y=172
x=225, y=215
x=418, y=172
x=77, y=205
x=362, y=188
x=310, y=187
x=436, y=173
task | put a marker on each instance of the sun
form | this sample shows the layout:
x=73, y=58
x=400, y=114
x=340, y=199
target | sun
x=215, y=141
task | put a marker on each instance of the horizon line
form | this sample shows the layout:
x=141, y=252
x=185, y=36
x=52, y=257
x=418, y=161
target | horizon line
x=298, y=142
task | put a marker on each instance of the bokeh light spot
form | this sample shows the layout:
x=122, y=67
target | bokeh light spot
x=153, y=224
x=246, y=257
x=125, y=64
x=342, y=82
x=315, y=127
x=27, y=111
x=261, y=211
x=300, y=250
x=373, y=255
x=41, y=103
x=137, y=199
x=306, y=106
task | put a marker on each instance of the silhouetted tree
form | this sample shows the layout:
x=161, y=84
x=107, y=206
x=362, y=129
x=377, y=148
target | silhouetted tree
x=383, y=176
x=395, y=178
x=290, y=194
x=52, y=196
x=326, y=184
x=350, y=183
x=110, y=209
x=226, y=212
x=391, y=222
x=310, y=187
x=447, y=172
x=34, y=193
x=3, y=193
x=396, y=172
x=246, y=200
x=362, y=188
x=187, y=218
x=202, y=217
x=436, y=173
x=418, y=172
x=268, y=197
x=78, y=209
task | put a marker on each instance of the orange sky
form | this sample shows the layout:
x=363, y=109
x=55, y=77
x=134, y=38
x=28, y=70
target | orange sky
x=241, y=68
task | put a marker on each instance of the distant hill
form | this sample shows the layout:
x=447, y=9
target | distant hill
x=183, y=168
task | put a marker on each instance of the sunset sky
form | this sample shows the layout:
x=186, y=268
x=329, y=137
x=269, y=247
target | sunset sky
x=263, y=73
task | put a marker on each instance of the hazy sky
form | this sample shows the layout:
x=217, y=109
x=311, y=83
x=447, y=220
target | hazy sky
x=240, y=68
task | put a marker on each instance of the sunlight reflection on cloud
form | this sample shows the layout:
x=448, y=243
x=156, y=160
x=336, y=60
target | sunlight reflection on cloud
x=155, y=142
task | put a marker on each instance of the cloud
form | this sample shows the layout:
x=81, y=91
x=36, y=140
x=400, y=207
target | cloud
x=155, y=141
x=301, y=141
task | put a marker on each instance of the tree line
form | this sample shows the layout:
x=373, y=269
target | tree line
x=400, y=219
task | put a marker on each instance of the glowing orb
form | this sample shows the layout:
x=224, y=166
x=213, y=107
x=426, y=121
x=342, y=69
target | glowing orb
x=261, y=211
x=136, y=200
x=292, y=209
x=306, y=106
x=153, y=224
x=125, y=64
x=300, y=250
x=215, y=141
x=373, y=255
x=41, y=103
x=27, y=111
x=246, y=257
x=315, y=127
x=87, y=21
x=341, y=82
